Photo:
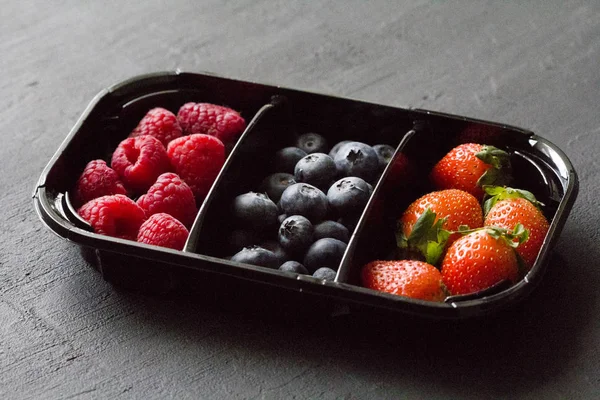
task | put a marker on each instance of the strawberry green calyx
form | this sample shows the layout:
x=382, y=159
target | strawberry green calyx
x=500, y=173
x=513, y=238
x=427, y=237
x=494, y=194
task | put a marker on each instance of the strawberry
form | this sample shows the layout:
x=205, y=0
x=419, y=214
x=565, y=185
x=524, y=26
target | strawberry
x=482, y=258
x=427, y=222
x=507, y=206
x=409, y=278
x=469, y=166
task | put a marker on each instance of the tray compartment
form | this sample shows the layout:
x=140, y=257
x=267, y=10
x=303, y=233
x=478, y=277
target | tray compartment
x=293, y=115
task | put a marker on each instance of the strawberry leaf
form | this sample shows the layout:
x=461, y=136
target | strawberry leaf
x=497, y=158
x=422, y=227
x=500, y=173
x=428, y=238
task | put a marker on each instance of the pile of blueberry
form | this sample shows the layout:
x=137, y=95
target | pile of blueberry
x=301, y=217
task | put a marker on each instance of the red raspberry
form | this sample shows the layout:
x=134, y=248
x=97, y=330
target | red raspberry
x=163, y=230
x=160, y=123
x=97, y=180
x=197, y=159
x=115, y=215
x=172, y=196
x=139, y=161
x=210, y=119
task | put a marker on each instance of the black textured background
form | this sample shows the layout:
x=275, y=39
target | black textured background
x=65, y=333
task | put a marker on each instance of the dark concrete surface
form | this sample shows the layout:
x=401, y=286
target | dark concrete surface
x=65, y=333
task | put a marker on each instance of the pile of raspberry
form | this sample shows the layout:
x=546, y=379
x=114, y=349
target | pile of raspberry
x=159, y=175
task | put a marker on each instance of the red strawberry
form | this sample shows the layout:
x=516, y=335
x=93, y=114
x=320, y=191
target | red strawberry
x=197, y=159
x=160, y=123
x=163, y=230
x=426, y=223
x=508, y=207
x=481, y=259
x=170, y=195
x=116, y=215
x=409, y=278
x=210, y=119
x=469, y=166
x=139, y=161
x=97, y=180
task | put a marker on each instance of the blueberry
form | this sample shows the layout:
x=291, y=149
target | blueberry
x=312, y=143
x=276, y=183
x=357, y=159
x=255, y=211
x=293, y=266
x=331, y=229
x=306, y=200
x=240, y=238
x=296, y=234
x=286, y=159
x=349, y=195
x=257, y=255
x=334, y=150
x=275, y=247
x=281, y=218
x=317, y=169
x=325, y=273
x=326, y=252
x=385, y=153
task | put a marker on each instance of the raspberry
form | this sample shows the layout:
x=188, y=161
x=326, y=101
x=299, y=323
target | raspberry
x=160, y=123
x=114, y=215
x=139, y=161
x=170, y=195
x=210, y=119
x=163, y=230
x=97, y=180
x=197, y=159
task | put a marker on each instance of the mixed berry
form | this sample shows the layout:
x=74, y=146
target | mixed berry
x=469, y=233
x=158, y=175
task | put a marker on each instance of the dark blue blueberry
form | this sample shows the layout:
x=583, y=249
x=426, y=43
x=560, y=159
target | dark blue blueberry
x=286, y=159
x=255, y=211
x=293, y=266
x=257, y=255
x=296, y=234
x=357, y=159
x=325, y=273
x=385, y=152
x=275, y=247
x=331, y=229
x=317, y=169
x=326, y=252
x=334, y=150
x=306, y=200
x=274, y=184
x=281, y=218
x=349, y=195
x=312, y=143
x=240, y=238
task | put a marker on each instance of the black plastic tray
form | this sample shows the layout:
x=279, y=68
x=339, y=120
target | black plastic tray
x=275, y=115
